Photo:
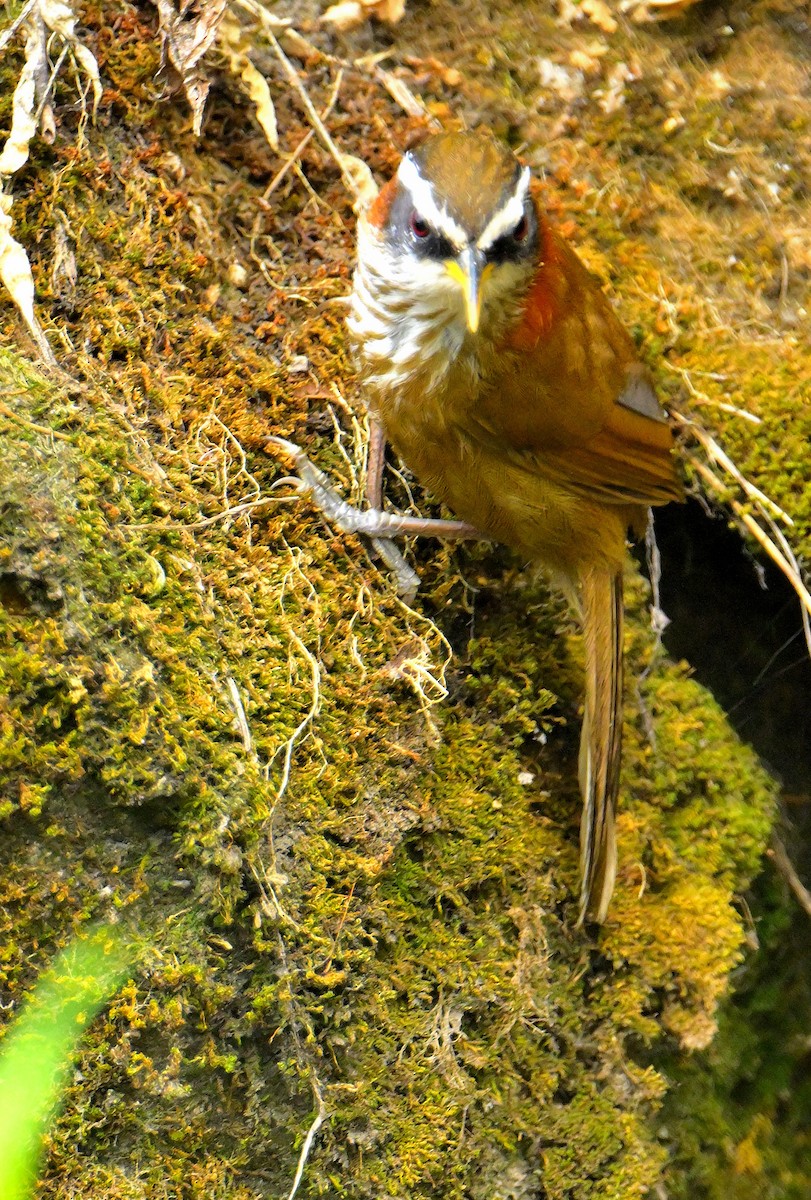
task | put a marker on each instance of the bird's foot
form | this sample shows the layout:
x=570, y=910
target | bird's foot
x=380, y=527
x=408, y=581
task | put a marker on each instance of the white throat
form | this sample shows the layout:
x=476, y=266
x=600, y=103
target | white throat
x=408, y=320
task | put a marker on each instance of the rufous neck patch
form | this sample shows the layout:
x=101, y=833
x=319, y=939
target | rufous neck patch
x=378, y=214
x=541, y=307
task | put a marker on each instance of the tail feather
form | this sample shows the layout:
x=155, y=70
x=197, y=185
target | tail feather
x=601, y=738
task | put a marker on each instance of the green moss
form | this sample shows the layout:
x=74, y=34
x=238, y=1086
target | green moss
x=740, y=1110
x=418, y=885
x=347, y=884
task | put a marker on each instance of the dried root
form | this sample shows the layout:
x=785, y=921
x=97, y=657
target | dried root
x=758, y=515
x=47, y=25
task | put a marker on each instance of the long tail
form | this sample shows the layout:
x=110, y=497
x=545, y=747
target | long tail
x=601, y=738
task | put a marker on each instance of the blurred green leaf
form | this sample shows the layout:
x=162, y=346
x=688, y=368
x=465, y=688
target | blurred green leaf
x=37, y=1051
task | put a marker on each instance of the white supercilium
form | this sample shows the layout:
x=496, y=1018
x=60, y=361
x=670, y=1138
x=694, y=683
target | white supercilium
x=408, y=319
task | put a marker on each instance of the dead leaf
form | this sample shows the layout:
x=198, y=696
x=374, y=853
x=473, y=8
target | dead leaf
x=587, y=61
x=188, y=33
x=599, y=12
x=386, y=10
x=361, y=181
x=59, y=18
x=350, y=13
x=345, y=16
x=23, y=106
x=235, y=44
x=46, y=17
x=15, y=272
x=612, y=96
x=563, y=81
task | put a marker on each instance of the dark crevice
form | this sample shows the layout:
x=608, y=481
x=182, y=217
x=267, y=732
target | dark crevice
x=738, y=622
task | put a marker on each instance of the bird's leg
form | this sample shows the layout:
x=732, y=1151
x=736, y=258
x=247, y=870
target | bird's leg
x=373, y=523
x=375, y=462
x=408, y=581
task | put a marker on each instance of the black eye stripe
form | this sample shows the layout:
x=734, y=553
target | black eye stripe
x=427, y=241
x=517, y=243
x=409, y=232
x=435, y=246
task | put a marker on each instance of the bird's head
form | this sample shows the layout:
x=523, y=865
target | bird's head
x=459, y=222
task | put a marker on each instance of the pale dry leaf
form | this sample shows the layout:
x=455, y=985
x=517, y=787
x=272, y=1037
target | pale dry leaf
x=87, y=61
x=59, y=18
x=390, y=11
x=255, y=84
x=563, y=81
x=720, y=85
x=612, y=97
x=348, y=14
x=361, y=181
x=259, y=94
x=23, y=107
x=344, y=16
x=41, y=19
x=584, y=62
x=15, y=272
x=188, y=33
x=599, y=12
x=798, y=247
x=568, y=13
x=735, y=188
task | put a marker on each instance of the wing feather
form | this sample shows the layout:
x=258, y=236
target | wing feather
x=570, y=400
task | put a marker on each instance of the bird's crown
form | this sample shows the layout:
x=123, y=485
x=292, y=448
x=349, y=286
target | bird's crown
x=460, y=189
x=459, y=210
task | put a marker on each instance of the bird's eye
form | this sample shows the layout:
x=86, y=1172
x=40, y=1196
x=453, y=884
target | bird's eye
x=521, y=230
x=419, y=227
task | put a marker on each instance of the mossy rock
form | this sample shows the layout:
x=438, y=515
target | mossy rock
x=385, y=915
x=342, y=831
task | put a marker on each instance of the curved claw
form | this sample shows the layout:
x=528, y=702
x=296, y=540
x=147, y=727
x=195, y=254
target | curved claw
x=290, y=448
x=346, y=516
x=349, y=518
x=372, y=523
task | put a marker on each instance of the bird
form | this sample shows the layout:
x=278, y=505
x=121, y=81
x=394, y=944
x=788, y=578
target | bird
x=494, y=364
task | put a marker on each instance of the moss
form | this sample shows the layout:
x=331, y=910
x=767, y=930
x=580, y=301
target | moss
x=740, y=1110
x=349, y=856
x=417, y=888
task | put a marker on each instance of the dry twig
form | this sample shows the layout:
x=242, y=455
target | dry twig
x=18, y=419
x=355, y=173
x=318, y=1121
x=779, y=856
x=762, y=526
x=294, y=157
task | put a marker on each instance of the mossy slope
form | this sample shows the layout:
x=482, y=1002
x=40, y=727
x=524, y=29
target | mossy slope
x=225, y=729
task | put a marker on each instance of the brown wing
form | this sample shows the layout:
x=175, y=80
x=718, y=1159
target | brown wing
x=628, y=461
x=571, y=401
